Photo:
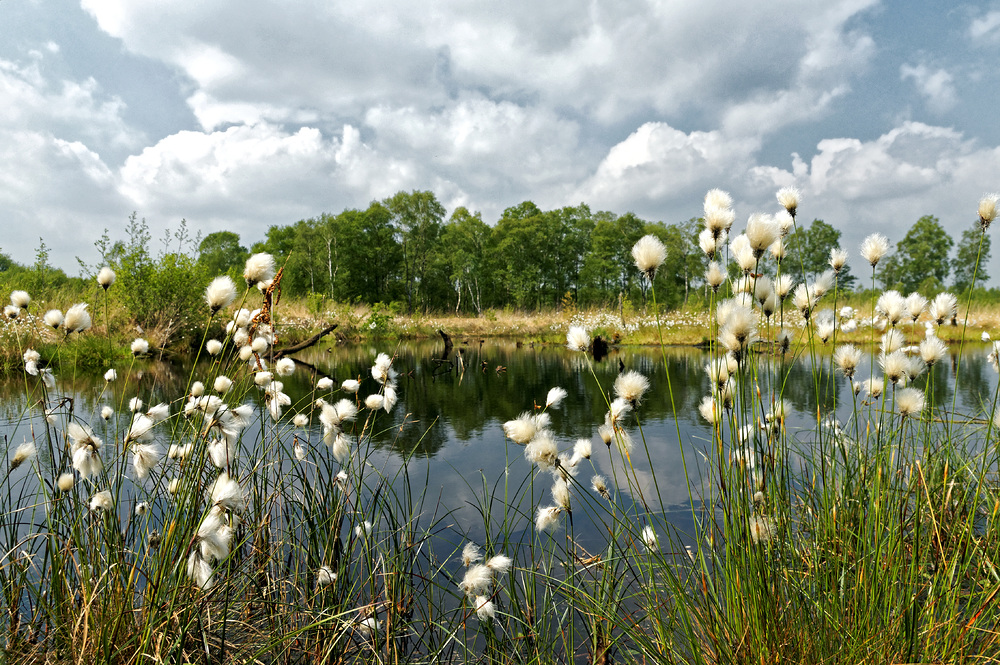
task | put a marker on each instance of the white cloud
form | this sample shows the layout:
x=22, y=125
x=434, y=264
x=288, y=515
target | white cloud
x=888, y=183
x=73, y=110
x=55, y=189
x=659, y=169
x=986, y=27
x=937, y=86
x=610, y=60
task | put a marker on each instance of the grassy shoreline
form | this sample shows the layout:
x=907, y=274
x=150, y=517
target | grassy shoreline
x=94, y=350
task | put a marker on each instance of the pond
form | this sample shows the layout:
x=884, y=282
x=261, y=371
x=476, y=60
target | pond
x=448, y=423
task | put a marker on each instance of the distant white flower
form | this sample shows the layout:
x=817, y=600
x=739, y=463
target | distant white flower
x=762, y=232
x=107, y=412
x=988, y=210
x=600, y=485
x=649, y=539
x=631, y=386
x=101, y=501
x=263, y=379
x=226, y=492
x=547, y=518
x=77, y=319
x=22, y=454
x=522, y=429
x=363, y=530
x=213, y=347
x=220, y=293
x=555, y=396
x=326, y=383
x=65, y=482
x=11, y=312
x=106, y=277
x=140, y=347
x=351, y=386
x=20, y=299
x=582, y=448
x=874, y=247
x=53, y=318
x=985, y=336
x=259, y=268
x=762, y=529
x=649, y=253
x=110, y=375
x=325, y=576
x=577, y=339
x=909, y=401
x=284, y=367
x=788, y=198
x=141, y=509
x=838, y=259
x=375, y=402
x=300, y=420
x=222, y=384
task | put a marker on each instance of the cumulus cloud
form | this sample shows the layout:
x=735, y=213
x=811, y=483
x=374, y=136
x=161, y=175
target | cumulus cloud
x=986, y=27
x=659, y=168
x=890, y=182
x=73, y=110
x=936, y=86
x=270, y=62
x=259, y=174
x=55, y=189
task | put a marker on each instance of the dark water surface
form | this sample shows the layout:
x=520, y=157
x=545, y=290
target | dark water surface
x=448, y=424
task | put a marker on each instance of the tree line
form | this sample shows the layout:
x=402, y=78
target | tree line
x=405, y=250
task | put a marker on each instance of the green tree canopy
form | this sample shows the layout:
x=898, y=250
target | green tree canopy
x=221, y=252
x=808, y=253
x=970, y=253
x=921, y=256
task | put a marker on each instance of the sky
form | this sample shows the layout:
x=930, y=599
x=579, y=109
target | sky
x=239, y=116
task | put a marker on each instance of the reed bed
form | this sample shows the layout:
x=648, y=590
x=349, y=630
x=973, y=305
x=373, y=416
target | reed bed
x=218, y=527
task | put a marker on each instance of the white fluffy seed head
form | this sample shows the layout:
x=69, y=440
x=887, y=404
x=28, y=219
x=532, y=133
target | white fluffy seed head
x=649, y=253
x=988, y=210
x=259, y=268
x=53, y=318
x=220, y=293
x=577, y=339
x=106, y=277
x=788, y=198
x=631, y=386
x=909, y=401
x=77, y=318
x=874, y=247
